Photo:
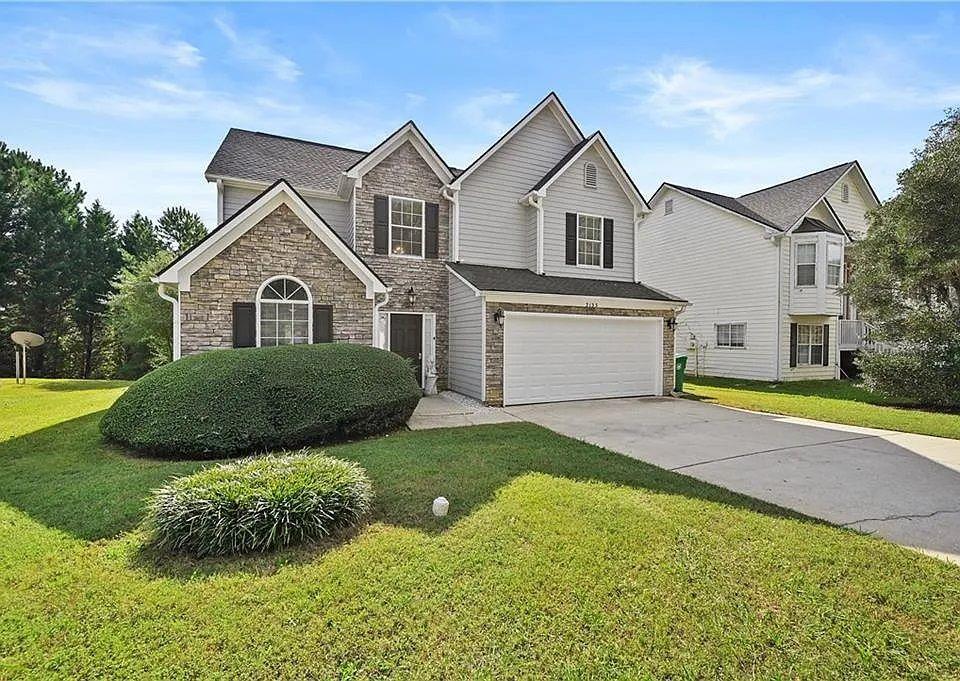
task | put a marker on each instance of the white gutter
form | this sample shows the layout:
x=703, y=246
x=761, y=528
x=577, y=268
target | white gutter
x=377, y=342
x=453, y=196
x=535, y=199
x=161, y=291
x=219, y=202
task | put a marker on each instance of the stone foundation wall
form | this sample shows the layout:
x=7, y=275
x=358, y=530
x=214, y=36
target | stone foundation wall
x=494, y=340
x=278, y=245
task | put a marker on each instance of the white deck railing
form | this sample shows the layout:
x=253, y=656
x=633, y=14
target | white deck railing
x=854, y=334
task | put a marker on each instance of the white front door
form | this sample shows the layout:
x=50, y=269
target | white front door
x=559, y=357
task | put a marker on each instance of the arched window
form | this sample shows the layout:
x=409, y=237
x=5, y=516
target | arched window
x=283, y=311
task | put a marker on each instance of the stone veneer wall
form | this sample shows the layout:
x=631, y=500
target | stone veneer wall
x=494, y=340
x=280, y=244
x=405, y=173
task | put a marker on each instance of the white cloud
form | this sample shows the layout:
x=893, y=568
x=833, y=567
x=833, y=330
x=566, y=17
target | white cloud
x=253, y=49
x=130, y=43
x=465, y=26
x=414, y=100
x=690, y=92
x=480, y=111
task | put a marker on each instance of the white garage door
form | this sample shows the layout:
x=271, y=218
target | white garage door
x=557, y=357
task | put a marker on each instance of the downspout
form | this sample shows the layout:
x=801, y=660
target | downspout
x=453, y=196
x=377, y=342
x=777, y=238
x=535, y=199
x=161, y=291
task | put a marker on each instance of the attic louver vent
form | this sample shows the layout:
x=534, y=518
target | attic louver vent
x=668, y=207
x=590, y=175
x=845, y=193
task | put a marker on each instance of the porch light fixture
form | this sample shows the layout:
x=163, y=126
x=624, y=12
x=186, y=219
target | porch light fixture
x=671, y=323
x=498, y=316
x=411, y=297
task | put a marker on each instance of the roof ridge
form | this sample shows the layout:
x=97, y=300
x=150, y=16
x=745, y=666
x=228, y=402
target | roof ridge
x=300, y=139
x=795, y=179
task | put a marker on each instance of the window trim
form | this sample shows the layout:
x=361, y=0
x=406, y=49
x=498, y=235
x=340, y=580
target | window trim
x=600, y=241
x=811, y=345
x=716, y=335
x=309, y=303
x=797, y=263
x=839, y=266
x=423, y=228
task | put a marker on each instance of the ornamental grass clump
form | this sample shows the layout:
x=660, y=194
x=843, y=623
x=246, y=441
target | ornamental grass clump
x=258, y=504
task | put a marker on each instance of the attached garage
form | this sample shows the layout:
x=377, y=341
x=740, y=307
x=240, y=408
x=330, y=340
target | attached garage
x=559, y=357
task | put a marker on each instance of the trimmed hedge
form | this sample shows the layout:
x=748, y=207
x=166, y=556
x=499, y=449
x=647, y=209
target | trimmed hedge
x=228, y=402
x=258, y=504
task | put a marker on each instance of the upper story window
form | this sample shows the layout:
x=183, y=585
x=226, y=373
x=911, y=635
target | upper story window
x=590, y=175
x=845, y=193
x=834, y=263
x=406, y=226
x=806, y=264
x=589, y=240
x=731, y=335
x=668, y=207
x=283, y=307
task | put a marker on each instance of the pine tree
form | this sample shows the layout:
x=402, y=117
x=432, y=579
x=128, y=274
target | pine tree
x=139, y=238
x=180, y=228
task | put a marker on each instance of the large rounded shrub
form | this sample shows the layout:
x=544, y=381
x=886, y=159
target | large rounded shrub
x=227, y=402
x=258, y=504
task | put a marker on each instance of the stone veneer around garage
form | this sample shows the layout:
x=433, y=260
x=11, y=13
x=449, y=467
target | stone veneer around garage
x=494, y=340
x=278, y=245
x=405, y=173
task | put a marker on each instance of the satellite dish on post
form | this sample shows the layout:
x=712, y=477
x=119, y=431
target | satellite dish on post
x=26, y=340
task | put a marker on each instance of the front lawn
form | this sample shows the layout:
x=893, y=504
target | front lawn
x=558, y=559
x=836, y=401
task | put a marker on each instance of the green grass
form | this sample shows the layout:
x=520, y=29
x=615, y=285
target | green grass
x=558, y=559
x=835, y=401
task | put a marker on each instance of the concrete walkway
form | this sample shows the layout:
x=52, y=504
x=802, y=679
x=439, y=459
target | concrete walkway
x=901, y=486
x=450, y=410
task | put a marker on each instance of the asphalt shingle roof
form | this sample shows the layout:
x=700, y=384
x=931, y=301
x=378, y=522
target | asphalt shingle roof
x=814, y=225
x=727, y=202
x=513, y=280
x=784, y=203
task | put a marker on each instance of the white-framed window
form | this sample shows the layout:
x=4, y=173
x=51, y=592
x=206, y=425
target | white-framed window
x=732, y=335
x=834, y=263
x=283, y=312
x=589, y=240
x=809, y=344
x=406, y=227
x=845, y=193
x=807, y=264
x=590, y=175
x=668, y=207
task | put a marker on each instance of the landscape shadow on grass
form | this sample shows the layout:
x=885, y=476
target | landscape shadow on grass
x=66, y=477
x=72, y=385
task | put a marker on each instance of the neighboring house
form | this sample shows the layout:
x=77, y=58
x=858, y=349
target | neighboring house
x=763, y=272
x=512, y=281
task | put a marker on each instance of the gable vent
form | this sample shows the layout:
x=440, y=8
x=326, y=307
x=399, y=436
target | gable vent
x=590, y=175
x=845, y=193
x=668, y=207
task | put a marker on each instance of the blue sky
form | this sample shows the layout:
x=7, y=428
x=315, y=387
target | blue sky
x=133, y=99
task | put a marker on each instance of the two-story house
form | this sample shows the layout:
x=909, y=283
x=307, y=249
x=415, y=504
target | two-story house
x=513, y=281
x=763, y=272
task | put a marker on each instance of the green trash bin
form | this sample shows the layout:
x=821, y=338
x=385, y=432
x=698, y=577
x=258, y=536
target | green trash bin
x=680, y=366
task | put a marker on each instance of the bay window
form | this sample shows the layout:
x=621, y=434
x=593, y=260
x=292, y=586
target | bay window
x=834, y=263
x=807, y=264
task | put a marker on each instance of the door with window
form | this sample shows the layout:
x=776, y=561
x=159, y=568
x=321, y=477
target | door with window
x=406, y=339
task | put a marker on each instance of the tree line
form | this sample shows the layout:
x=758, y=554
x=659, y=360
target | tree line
x=70, y=272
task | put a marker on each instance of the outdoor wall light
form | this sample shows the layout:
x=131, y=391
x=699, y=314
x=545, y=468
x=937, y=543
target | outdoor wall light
x=411, y=297
x=498, y=316
x=672, y=323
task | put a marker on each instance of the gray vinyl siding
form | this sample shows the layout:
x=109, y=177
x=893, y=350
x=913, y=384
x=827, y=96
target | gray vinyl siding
x=493, y=225
x=531, y=247
x=333, y=211
x=568, y=195
x=466, y=339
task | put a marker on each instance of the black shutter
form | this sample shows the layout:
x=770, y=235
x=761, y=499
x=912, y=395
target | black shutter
x=571, y=238
x=826, y=345
x=244, y=325
x=432, y=223
x=608, y=243
x=793, y=345
x=323, y=323
x=381, y=224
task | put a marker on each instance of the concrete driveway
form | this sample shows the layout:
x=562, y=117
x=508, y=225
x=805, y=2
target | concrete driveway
x=903, y=487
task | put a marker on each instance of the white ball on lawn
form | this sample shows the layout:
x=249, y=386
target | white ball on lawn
x=440, y=506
